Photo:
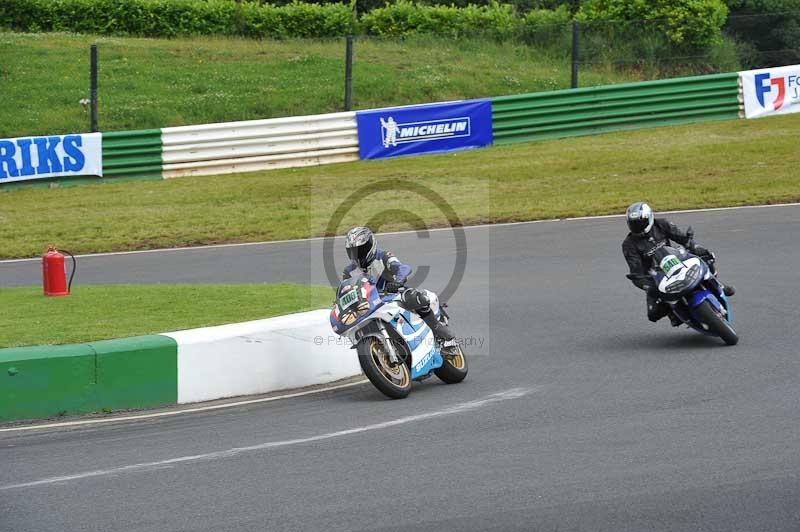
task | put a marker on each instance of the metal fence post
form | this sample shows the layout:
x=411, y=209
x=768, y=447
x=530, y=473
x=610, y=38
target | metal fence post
x=348, y=75
x=575, y=52
x=93, y=87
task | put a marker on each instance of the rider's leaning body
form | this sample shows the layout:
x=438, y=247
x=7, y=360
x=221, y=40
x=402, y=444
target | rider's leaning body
x=386, y=269
x=648, y=233
x=390, y=274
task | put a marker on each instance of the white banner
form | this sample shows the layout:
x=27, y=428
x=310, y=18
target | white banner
x=27, y=158
x=771, y=91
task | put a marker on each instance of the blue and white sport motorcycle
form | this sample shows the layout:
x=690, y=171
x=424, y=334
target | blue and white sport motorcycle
x=395, y=346
x=685, y=282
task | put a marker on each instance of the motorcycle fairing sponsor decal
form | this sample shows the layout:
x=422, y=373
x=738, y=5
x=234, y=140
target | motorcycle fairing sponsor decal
x=670, y=264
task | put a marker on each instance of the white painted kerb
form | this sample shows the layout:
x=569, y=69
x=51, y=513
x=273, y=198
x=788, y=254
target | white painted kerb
x=260, y=356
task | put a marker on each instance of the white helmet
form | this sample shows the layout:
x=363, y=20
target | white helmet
x=640, y=218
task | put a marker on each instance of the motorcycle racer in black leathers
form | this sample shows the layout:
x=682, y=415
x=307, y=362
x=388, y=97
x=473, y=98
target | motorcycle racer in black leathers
x=390, y=275
x=648, y=233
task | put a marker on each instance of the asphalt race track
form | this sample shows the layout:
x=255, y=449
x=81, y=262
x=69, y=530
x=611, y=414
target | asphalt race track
x=578, y=413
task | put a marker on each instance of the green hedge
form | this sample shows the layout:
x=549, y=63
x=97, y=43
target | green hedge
x=686, y=23
x=405, y=18
x=677, y=24
x=363, y=6
x=172, y=18
x=548, y=28
x=498, y=21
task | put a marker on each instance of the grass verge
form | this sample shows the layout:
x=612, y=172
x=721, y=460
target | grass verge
x=153, y=83
x=740, y=162
x=93, y=313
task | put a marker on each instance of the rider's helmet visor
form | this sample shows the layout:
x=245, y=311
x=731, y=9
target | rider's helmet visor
x=362, y=254
x=638, y=225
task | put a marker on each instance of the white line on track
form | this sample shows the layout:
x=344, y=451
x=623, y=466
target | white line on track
x=182, y=411
x=507, y=395
x=481, y=226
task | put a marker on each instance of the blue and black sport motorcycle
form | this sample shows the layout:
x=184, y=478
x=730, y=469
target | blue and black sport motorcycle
x=395, y=346
x=685, y=282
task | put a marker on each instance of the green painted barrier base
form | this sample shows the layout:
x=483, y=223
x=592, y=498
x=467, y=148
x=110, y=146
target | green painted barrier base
x=46, y=381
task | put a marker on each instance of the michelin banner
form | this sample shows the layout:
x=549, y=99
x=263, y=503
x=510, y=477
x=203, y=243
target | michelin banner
x=771, y=91
x=27, y=158
x=417, y=129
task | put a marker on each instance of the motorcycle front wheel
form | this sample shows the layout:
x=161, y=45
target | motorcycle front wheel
x=392, y=380
x=717, y=323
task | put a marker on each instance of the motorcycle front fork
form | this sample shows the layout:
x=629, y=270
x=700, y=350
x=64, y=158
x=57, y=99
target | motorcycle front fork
x=681, y=309
x=387, y=341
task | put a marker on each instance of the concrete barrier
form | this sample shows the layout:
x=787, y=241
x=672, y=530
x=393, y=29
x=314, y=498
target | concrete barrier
x=260, y=356
x=179, y=367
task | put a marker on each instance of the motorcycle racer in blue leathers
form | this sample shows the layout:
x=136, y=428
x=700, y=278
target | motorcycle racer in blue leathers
x=390, y=275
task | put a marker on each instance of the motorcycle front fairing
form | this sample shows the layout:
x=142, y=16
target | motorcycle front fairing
x=682, y=275
x=356, y=299
x=425, y=355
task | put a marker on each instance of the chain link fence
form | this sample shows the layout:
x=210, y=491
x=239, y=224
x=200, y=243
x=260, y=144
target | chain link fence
x=642, y=47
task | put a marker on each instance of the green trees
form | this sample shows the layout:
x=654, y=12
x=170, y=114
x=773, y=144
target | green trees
x=757, y=32
x=686, y=23
x=768, y=31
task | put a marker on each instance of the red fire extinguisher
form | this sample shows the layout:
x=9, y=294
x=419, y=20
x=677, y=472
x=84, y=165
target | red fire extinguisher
x=54, y=273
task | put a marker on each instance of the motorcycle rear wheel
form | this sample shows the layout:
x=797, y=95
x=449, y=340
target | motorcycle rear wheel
x=717, y=323
x=393, y=381
x=454, y=368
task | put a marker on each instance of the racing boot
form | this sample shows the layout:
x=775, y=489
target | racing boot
x=711, y=260
x=444, y=337
x=728, y=289
x=675, y=320
x=417, y=301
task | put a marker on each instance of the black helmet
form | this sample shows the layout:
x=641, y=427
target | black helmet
x=361, y=246
x=640, y=218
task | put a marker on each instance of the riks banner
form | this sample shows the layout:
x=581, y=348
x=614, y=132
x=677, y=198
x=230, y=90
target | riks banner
x=27, y=158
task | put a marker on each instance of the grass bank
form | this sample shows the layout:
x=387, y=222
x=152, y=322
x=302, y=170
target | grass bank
x=709, y=165
x=152, y=83
x=102, y=312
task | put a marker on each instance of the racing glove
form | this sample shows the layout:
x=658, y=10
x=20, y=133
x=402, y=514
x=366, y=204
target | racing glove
x=396, y=285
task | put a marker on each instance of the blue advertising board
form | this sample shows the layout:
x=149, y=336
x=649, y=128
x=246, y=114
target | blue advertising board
x=416, y=129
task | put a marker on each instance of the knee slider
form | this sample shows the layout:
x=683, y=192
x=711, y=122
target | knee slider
x=656, y=312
